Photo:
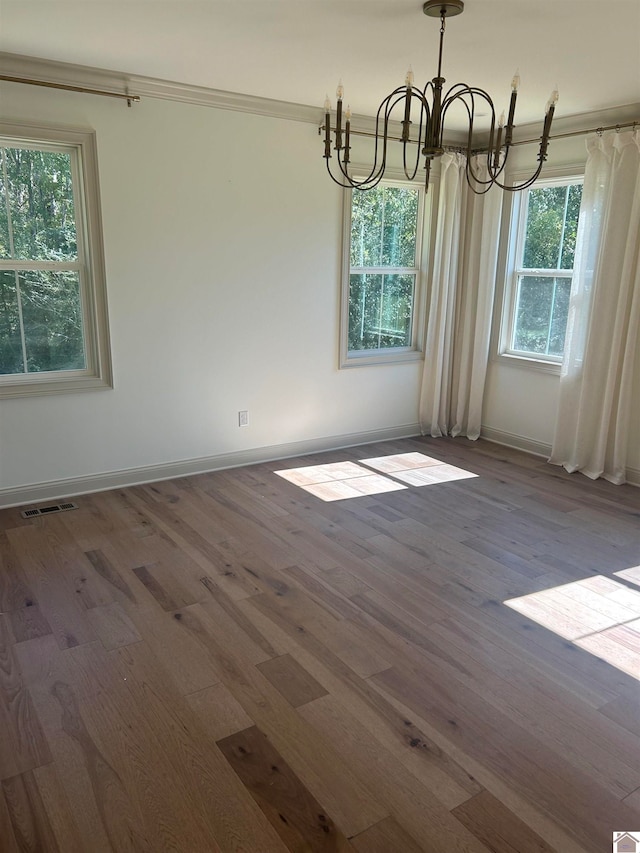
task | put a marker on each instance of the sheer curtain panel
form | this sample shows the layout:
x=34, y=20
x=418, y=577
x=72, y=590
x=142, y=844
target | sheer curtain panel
x=461, y=302
x=596, y=383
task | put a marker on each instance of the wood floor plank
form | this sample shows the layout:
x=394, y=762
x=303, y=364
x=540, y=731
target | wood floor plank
x=23, y=736
x=326, y=774
x=497, y=827
x=113, y=626
x=187, y=664
x=58, y=809
x=53, y=586
x=15, y=592
x=366, y=646
x=26, y=623
x=229, y=606
x=219, y=713
x=109, y=573
x=535, y=817
x=540, y=774
x=418, y=810
x=212, y=788
x=31, y=825
x=576, y=731
x=292, y=680
x=167, y=589
x=106, y=766
x=422, y=755
x=291, y=809
x=9, y=840
x=386, y=837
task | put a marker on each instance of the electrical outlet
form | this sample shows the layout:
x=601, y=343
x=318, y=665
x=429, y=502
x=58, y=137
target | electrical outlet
x=243, y=418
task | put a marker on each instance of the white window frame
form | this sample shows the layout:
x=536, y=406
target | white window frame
x=515, y=220
x=390, y=355
x=90, y=263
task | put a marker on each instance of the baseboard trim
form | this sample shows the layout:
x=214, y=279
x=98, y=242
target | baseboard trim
x=57, y=489
x=633, y=476
x=537, y=448
x=518, y=442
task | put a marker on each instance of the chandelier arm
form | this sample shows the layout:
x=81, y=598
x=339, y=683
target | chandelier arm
x=523, y=186
x=424, y=110
x=348, y=185
x=471, y=181
x=460, y=92
x=448, y=100
x=377, y=171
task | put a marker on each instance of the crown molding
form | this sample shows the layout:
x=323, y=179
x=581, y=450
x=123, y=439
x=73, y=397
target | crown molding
x=65, y=73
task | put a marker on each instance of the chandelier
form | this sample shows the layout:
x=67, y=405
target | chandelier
x=430, y=105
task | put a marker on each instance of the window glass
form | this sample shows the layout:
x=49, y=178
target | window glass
x=380, y=308
x=552, y=224
x=384, y=247
x=39, y=208
x=384, y=222
x=539, y=285
x=541, y=314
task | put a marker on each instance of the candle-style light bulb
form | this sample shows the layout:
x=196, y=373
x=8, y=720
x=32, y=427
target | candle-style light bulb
x=501, y=120
x=347, y=113
x=408, y=80
x=515, y=82
x=339, y=96
x=327, y=129
x=553, y=100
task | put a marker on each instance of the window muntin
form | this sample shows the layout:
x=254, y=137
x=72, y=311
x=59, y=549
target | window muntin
x=546, y=217
x=53, y=320
x=383, y=260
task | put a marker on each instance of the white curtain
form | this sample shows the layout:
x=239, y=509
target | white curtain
x=461, y=302
x=592, y=428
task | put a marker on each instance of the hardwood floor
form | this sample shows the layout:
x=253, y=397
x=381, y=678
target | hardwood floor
x=388, y=654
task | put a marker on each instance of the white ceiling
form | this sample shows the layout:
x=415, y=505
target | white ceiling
x=296, y=50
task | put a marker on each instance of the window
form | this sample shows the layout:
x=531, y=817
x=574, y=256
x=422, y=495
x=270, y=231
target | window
x=382, y=274
x=544, y=229
x=53, y=318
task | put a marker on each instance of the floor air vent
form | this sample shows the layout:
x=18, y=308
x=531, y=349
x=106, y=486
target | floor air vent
x=47, y=510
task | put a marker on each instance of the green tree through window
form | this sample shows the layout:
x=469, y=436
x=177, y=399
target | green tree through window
x=548, y=226
x=41, y=328
x=384, y=267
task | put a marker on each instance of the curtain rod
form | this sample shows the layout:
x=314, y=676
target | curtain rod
x=129, y=98
x=462, y=148
x=633, y=124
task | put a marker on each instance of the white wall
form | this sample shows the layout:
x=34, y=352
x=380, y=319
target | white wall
x=520, y=403
x=222, y=241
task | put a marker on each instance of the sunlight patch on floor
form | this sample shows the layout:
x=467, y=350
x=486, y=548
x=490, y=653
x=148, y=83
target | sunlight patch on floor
x=416, y=469
x=597, y=614
x=338, y=481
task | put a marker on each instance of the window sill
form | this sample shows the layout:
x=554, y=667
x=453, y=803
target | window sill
x=377, y=357
x=540, y=365
x=42, y=385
